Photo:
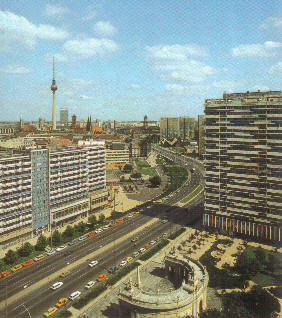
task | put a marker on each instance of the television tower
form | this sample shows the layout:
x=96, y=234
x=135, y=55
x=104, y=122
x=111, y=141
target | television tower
x=53, y=89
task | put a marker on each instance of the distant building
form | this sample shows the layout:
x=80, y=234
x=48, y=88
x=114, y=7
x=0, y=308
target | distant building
x=117, y=154
x=64, y=117
x=175, y=127
x=243, y=164
x=73, y=121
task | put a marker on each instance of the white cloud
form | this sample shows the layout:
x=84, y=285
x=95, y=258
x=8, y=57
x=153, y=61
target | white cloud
x=105, y=28
x=90, y=15
x=175, y=52
x=81, y=83
x=226, y=84
x=14, y=69
x=261, y=88
x=267, y=49
x=276, y=69
x=85, y=97
x=135, y=86
x=89, y=47
x=271, y=22
x=61, y=58
x=184, y=90
x=18, y=30
x=56, y=10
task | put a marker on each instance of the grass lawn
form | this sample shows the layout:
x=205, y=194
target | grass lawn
x=193, y=194
x=148, y=171
x=142, y=164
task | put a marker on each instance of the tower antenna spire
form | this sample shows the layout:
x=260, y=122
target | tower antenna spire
x=53, y=68
x=53, y=89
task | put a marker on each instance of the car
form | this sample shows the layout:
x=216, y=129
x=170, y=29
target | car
x=113, y=269
x=74, y=295
x=60, y=248
x=90, y=284
x=71, y=243
x=28, y=263
x=147, y=246
x=123, y=263
x=61, y=302
x=51, y=252
x=90, y=234
x=135, y=213
x=98, y=231
x=120, y=221
x=50, y=312
x=38, y=257
x=129, y=259
x=56, y=285
x=16, y=268
x=82, y=238
x=113, y=224
x=93, y=263
x=164, y=235
x=130, y=216
x=106, y=227
x=135, y=254
x=134, y=239
x=153, y=242
x=101, y=277
x=142, y=250
x=164, y=221
x=4, y=274
x=65, y=274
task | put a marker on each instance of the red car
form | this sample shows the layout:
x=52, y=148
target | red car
x=120, y=221
x=147, y=246
x=4, y=274
x=28, y=263
x=101, y=277
x=90, y=234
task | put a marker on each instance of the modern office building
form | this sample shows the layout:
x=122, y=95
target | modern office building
x=44, y=188
x=243, y=164
x=201, y=135
x=177, y=127
x=64, y=117
x=117, y=155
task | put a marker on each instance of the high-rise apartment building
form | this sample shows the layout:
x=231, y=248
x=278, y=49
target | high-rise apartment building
x=64, y=116
x=177, y=127
x=201, y=135
x=243, y=164
x=45, y=188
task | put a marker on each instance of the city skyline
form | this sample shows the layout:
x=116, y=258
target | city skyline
x=122, y=60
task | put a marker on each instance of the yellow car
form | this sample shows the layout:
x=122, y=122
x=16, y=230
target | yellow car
x=16, y=268
x=50, y=312
x=61, y=302
x=129, y=259
x=164, y=235
x=38, y=257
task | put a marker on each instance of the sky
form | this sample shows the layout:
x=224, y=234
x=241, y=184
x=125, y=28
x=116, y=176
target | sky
x=125, y=59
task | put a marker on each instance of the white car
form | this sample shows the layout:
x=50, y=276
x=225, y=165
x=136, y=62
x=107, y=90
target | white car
x=90, y=284
x=130, y=216
x=142, y=250
x=123, y=263
x=98, y=231
x=93, y=263
x=56, y=285
x=60, y=248
x=74, y=295
x=153, y=242
x=105, y=227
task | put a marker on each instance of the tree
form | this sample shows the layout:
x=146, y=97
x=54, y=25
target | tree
x=2, y=265
x=155, y=181
x=136, y=175
x=80, y=228
x=92, y=220
x=101, y=218
x=68, y=233
x=261, y=255
x=127, y=167
x=11, y=257
x=115, y=215
x=41, y=243
x=56, y=238
x=122, y=179
x=25, y=250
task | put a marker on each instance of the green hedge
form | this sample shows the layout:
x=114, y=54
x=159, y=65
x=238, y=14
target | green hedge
x=152, y=251
x=95, y=292
x=121, y=273
x=177, y=233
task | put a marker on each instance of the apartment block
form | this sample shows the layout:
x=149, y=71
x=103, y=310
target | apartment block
x=243, y=164
x=201, y=135
x=44, y=188
x=177, y=127
x=15, y=198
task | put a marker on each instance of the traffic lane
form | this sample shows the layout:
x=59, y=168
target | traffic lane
x=34, y=273
x=38, y=303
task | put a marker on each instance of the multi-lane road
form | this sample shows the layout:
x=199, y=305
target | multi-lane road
x=38, y=296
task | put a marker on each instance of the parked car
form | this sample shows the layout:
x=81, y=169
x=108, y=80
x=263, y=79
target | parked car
x=90, y=234
x=16, y=268
x=123, y=263
x=153, y=242
x=65, y=274
x=134, y=239
x=71, y=243
x=129, y=259
x=101, y=277
x=51, y=252
x=135, y=254
x=113, y=269
x=61, y=302
x=60, y=248
x=142, y=250
x=90, y=284
x=74, y=295
x=38, y=257
x=28, y=263
x=82, y=238
x=50, y=312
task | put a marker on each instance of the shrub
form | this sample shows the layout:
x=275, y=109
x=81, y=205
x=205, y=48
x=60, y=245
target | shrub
x=153, y=250
x=121, y=273
x=25, y=250
x=95, y=292
x=11, y=257
x=41, y=243
x=177, y=233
